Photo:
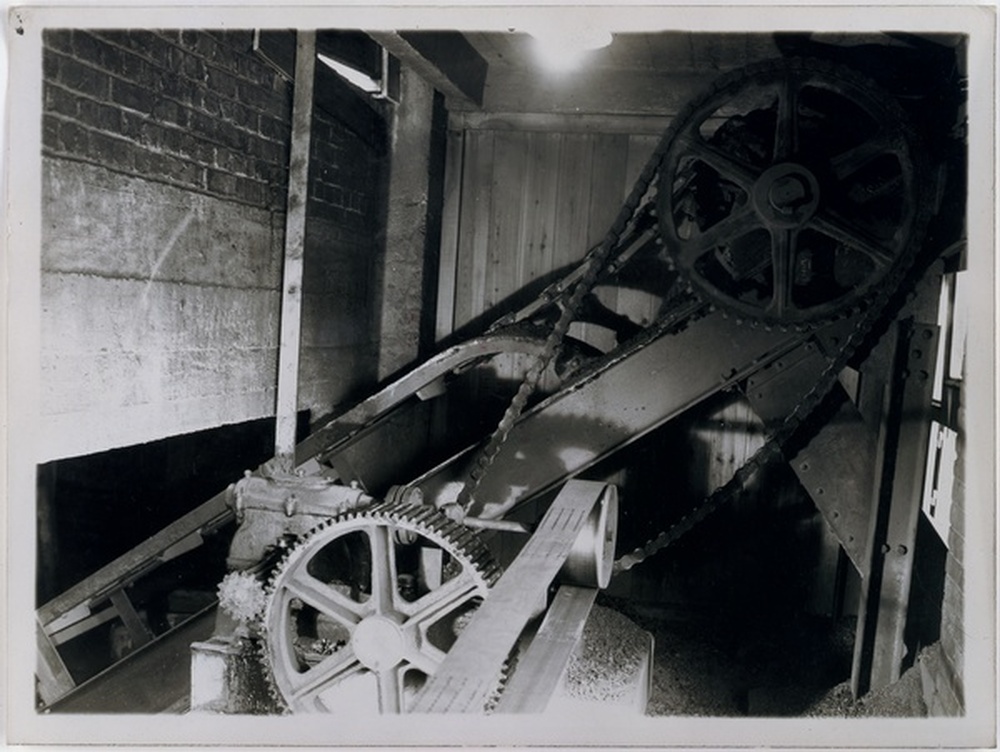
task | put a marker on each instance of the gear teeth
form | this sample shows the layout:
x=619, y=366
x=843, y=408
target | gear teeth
x=462, y=543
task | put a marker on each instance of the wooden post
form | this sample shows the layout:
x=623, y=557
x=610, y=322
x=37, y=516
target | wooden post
x=295, y=233
x=54, y=679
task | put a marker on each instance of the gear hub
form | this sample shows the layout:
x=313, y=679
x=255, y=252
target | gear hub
x=364, y=608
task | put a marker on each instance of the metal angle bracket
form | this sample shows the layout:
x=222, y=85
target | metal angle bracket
x=835, y=467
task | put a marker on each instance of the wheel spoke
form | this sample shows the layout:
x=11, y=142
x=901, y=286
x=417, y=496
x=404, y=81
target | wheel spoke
x=728, y=167
x=834, y=227
x=335, y=668
x=390, y=690
x=444, y=599
x=328, y=601
x=427, y=658
x=787, y=126
x=783, y=243
x=739, y=223
x=849, y=162
x=381, y=649
x=383, y=569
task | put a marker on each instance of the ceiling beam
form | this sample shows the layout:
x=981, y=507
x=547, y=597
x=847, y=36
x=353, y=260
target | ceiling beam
x=600, y=91
x=444, y=59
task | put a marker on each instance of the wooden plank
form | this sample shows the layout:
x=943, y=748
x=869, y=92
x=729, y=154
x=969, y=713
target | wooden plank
x=469, y=672
x=506, y=254
x=601, y=91
x=128, y=566
x=474, y=227
x=539, y=221
x=640, y=148
x=450, y=53
x=460, y=89
x=155, y=679
x=82, y=626
x=295, y=236
x=450, y=216
x=607, y=184
x=138, y=631
x=482, y=211
x=508, y=196
x=524, y=122
x=573, y=199
x=54, y=679
x=541, y=667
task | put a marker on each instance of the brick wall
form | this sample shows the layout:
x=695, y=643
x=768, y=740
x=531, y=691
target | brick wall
x=344, y=250
x=164, y=184
x=192, y=109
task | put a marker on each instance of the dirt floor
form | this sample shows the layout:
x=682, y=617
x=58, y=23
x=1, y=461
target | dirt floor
x=793, y=667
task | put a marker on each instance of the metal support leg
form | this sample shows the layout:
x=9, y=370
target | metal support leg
x=879, y=649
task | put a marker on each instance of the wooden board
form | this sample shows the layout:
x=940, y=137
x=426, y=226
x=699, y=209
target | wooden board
x=542, y=665
x=470, y=671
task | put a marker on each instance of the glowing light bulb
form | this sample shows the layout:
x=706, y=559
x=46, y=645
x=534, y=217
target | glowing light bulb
x=564, y=46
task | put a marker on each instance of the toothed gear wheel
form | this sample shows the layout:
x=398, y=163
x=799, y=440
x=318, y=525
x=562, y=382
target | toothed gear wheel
x=791, y=191
x=366, y=606
x=242, y=596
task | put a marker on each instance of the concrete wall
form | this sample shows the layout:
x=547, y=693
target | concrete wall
x=413, y=226
x=164, y=181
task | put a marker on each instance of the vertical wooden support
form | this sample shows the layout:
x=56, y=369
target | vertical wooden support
x=54, y=679
x=879, y=648
x=451, y=212
x=138, y=631
x=295, y=234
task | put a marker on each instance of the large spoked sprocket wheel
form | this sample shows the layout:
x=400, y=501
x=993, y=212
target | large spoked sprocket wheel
x=363, y=610
x=791, y=192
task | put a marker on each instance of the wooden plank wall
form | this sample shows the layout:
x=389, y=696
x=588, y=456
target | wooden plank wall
x=527, y=203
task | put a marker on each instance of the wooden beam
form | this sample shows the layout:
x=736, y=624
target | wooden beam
x=456, y=72
x=448, y=259
x=362, y=114
x=595, y=91
x=54, y=679
x=566, y=122
x=132, y=564
x=469, y=672
x=295, y=243
x=137, y=630
x=543, y=664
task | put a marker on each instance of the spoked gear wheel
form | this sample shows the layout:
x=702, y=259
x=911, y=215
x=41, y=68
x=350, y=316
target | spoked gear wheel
x=791, y=191
x=363, y=610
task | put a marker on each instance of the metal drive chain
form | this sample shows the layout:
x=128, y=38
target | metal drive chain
x=569, y=302
x=773, y=449
x=885, y=302
x=871, y=312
